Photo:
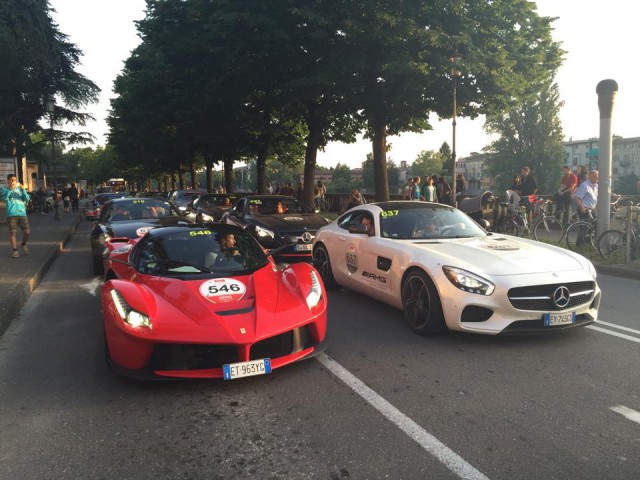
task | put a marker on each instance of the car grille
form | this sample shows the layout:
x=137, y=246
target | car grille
x=297, y=236
x=540, y=297
x=196, y=356
x=278, y=346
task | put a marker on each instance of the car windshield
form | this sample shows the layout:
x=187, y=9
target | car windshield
x=215, y=201
x=426, y=221
x=275, y=205
x=201, y=251
x=140, y=208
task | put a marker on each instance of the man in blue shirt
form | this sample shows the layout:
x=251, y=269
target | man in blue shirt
x=16, y=198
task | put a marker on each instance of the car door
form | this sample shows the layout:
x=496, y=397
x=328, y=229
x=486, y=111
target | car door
x=235, y=215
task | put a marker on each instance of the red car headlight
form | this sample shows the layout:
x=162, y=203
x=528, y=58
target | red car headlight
x=127, y=314
x=315, y=294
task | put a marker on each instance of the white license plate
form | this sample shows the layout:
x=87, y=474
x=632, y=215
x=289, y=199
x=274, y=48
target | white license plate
x=232, y=371
x=302, y=247
x=552, y=319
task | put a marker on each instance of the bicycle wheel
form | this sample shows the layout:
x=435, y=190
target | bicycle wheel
x=612, y=244
x=580, y=236
x=549, y=230
x=508, y=227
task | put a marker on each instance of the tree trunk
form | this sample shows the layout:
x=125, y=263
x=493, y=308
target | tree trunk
x=194, y=174
x=228, y=174
x=181, y=179
x=310, y=155
x=209, y=167
x=261, y=167
x=379, y=142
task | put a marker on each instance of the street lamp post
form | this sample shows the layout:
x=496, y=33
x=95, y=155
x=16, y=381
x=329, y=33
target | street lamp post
x=454, y=73
x=50, y=106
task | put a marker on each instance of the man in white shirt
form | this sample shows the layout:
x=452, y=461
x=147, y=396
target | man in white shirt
x=586, y=197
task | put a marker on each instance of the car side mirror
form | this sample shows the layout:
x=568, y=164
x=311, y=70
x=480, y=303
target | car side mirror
x=358, y=228
x=484, y=223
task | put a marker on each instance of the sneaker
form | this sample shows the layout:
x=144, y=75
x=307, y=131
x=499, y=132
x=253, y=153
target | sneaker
x=25, y=249
x=15, y=254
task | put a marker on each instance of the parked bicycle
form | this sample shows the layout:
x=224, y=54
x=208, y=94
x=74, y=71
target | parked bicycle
x=612, y=244
x=582, y=233
x=546, y=227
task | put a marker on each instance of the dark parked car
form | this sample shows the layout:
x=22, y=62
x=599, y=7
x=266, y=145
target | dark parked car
x=209, y=207
x=182, y=198
x=129, y=218
x=277, y=221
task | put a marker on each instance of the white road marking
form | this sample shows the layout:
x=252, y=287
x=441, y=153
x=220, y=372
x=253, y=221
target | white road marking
x=615, y=334
x=428, y=442
x=619, y=327
x=93, y=286
x=627, y=412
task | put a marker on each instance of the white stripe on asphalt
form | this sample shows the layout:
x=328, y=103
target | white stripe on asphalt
x=619, y=327
x=615, y=334
x=627, y=412
x=431, y=444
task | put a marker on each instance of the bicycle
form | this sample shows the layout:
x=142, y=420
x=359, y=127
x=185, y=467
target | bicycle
x=323, y=204
x=612, y=243
x=546, y=227
x=581, y=233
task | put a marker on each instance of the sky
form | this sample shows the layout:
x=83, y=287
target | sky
x=598, y=37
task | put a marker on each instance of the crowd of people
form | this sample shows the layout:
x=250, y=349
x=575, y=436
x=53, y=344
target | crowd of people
x=434, y=189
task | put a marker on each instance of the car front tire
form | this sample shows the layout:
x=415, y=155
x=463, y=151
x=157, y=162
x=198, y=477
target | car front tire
x=322, y=263
x=421, y=304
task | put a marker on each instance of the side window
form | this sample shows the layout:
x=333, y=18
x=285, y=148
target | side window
x=345, y=221
x=239, y=208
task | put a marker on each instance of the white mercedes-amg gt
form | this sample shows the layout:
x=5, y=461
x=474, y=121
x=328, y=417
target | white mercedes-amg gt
x=445, y=271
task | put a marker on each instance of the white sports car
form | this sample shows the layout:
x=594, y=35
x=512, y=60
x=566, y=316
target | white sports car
x=444, y=271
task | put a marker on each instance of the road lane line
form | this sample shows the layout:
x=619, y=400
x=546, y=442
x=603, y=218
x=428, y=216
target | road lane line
x=615, y=334
x=627, y=412
x=428, y=442
x=619, y=327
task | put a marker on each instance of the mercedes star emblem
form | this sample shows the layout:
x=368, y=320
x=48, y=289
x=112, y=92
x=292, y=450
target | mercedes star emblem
x=561, y=297
x=307, y=237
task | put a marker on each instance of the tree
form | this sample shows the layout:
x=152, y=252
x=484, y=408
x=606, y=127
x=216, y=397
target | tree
x=428, y=163
x=447, y=166
x=38, y=62
x=530, y=133
x=342, y=172
x=626, y=185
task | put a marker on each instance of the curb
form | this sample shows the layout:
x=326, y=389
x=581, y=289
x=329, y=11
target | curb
x=23, y=289
x=624, y=271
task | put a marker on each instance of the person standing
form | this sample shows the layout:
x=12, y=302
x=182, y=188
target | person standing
x=529, y=187
x=445, y=188
x=581, y=174
x=16, y=198
x=415, y=191
x=568, y=185
x=73, y=196
x=429, y=190
x=586, y=197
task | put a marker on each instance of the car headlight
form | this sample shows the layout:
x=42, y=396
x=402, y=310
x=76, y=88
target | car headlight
x=182, y=209
x=206, y=218
x=468, y=281
x=103, y=238
x=264, y=233
x=128, y=314
x=315, y=294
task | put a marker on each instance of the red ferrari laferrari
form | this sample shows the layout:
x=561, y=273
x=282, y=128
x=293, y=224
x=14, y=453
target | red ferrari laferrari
x=208, y=302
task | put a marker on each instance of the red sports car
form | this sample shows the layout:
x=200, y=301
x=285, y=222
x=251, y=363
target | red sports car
x=208, y=302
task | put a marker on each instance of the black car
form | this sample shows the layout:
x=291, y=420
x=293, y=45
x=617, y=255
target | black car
x=129, y=218
x=182, y=198
x=277, y=221
x=209, y=207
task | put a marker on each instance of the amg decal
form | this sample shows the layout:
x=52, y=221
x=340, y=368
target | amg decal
x=379, y=278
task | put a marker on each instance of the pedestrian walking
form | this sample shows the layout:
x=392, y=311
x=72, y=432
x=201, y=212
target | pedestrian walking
x=73, y=195
x=529, y=187
x=16, y=198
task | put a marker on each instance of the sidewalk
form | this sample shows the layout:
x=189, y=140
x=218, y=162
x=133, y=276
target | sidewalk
x=20, y=276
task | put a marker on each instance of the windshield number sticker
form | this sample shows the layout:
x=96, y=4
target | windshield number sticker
x=199, y=232
x=139, y=201
x=390, y=213
x=223, y=290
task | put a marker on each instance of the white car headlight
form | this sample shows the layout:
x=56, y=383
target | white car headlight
x=207, y=218
x=468, y=282
x=128, y=314
x=315, y=294
x=264, y=233
x=103, y=238
x=182, y=209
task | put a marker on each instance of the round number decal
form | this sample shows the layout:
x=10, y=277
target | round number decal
x=142, y=231
x=223, y=290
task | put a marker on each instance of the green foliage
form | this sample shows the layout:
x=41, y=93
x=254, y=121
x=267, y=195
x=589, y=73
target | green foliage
x=342, y=173
x=428, y=163
x=530, y=134
x=626, y=185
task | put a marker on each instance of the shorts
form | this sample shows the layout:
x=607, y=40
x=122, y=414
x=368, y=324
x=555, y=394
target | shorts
x=15, y=222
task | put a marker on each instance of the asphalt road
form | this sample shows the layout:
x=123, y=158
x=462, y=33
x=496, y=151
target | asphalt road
x=382, y=402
